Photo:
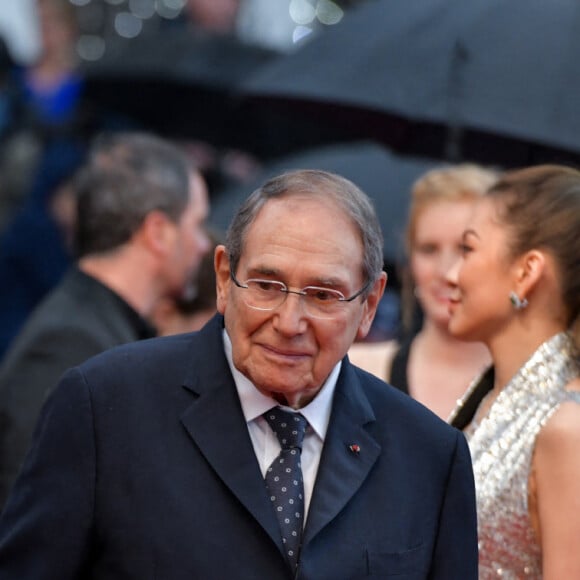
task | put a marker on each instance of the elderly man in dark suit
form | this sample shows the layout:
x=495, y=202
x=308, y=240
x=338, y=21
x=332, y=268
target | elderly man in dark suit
x=252, y=449
x=141, y=208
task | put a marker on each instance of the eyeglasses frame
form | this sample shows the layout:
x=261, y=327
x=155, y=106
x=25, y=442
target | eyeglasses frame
x=287, y=291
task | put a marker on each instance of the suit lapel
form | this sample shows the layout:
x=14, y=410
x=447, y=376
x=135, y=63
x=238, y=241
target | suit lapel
x=217, y=427
x=342, y=468
x=216, y=424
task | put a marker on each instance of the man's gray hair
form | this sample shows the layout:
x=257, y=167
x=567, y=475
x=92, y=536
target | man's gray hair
x=347, y=196
x=127, y=176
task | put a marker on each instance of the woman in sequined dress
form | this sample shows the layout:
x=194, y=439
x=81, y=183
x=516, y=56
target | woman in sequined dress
x=517, y=289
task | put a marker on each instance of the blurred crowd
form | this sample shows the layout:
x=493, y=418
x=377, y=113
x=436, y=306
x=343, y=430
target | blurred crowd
x=52, y=107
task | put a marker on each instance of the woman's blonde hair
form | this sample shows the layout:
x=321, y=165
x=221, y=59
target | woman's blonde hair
x=454, y=183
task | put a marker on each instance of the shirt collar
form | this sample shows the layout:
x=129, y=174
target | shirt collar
x=255, y=404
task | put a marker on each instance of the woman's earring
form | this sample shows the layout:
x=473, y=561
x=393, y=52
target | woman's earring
x=517, y=303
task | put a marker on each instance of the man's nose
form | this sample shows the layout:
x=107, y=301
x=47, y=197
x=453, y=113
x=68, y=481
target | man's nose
x=290, y=317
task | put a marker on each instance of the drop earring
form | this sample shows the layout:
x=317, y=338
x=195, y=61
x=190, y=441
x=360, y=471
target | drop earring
x=517, y=302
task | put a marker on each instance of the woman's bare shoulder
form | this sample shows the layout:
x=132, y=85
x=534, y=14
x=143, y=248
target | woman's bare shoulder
x=374, y=357
x=562, y=430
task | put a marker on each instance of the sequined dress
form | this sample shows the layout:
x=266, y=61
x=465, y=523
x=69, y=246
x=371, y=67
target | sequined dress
x=502, y=446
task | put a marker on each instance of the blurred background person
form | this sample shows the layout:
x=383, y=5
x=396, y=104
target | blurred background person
x=44, y=101
x=187, y=313
x=52, y=85
x=517, y=289
x=429, y=363
x=140, y=236
x=218, y=16
x=36, y=246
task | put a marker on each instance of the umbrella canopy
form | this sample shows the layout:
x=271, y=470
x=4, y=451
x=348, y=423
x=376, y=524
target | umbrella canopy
x=444, y=71
x=516, y=71
x=385, y=177
x=190, y=57
x=176, y=82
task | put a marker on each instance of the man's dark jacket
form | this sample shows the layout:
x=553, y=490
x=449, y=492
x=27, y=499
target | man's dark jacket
x=79, y=319
x=143, y=468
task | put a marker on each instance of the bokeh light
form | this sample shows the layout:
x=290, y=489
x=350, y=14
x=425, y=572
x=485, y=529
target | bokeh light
x=302, y=12
x=91, y=47
x=128, y=25
x=103, y=22
x=328, y=12
x=143, y=9
x=169, y=9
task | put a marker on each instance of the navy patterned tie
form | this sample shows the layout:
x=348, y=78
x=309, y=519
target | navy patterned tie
x=284, y=478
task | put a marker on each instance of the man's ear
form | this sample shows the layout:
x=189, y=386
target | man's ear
x=222, y=274
x=156, y=232
x=371, y=304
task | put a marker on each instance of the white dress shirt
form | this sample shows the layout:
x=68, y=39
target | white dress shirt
x=266, y=445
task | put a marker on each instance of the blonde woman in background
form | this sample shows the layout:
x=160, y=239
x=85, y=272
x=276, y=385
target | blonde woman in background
x=517, y=289
x=430, y=364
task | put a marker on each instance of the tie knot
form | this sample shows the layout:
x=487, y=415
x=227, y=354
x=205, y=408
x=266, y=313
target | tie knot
x=288, y=427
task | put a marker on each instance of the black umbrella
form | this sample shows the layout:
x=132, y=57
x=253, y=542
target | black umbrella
x=184, y=84
x=385, y=177
x=486, y=80
x=178, y=82
x=516, y=72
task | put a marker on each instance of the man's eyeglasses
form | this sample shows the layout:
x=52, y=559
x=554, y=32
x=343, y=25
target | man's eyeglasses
x=270, y=294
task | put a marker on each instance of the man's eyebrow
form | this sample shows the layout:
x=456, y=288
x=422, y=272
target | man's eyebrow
x=264, y=271
x=271, y=272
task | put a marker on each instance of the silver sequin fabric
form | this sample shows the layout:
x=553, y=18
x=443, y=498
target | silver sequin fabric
x=502, y=446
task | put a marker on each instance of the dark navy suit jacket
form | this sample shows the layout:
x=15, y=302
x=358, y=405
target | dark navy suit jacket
x=142, y=468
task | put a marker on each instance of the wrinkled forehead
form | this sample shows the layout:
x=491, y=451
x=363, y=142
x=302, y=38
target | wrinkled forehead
x=310, y=228
x=309, y=215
